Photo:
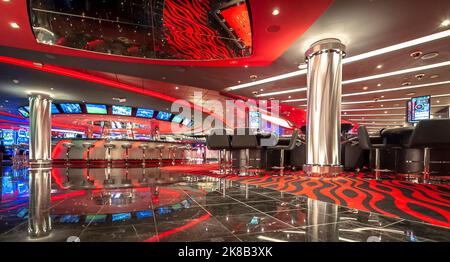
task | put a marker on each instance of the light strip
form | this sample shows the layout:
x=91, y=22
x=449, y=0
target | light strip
x=355, y=58
x=374, y=115
x=68, y=131
x=396, y=89
x=399, y=72
x=376, y=120
x=271, y=239
x=373, y=109
x=268, y=80
x=366, y=78
x=377, y=101
x=377, y=124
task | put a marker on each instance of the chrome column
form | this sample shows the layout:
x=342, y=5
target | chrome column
x=39, y=224
x=324, y=107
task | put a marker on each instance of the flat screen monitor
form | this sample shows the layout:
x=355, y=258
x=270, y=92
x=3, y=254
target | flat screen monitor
x=23, y=112
x=96, y=109
x=146, y=113
x=69, y=219
x=95, y=219
x=165, y=116
x=420, y=108
x=254, y=120
x=71, y=108
x=121, y=110
x=121, y=217
x=8, y=137
x=177, y=119
x=55, y=110
x=186, y=122
x=144, y=214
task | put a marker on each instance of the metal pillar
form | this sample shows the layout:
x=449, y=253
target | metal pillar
x=324, y=107
x=39, y=224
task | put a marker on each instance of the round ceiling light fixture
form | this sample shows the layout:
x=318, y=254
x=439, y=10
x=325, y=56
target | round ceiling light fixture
x=15, y=81
x=429, y=55
x=416, y=55
x=434, y=76
x=411, y=94
x=406, y=83
x=275, y=11
x=419, y=76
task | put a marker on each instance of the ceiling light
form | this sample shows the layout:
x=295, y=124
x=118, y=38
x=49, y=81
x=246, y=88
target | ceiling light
x=445, y=22
x=382, y=96
x=275, y=11
x=347, y=60
x=14, y=25
x=438, y=101
x=379, y=66
x=416, y=55
x=365, y=88
x=376, y=115
x=382, y=105
x=372, y=109
x=15, y=81
x=176, y=88
x=378, y=84
x=289, y=97
x=429, y=56
x=284, y=92
x=377, y=120
x=411, y=94
x=385, y=112
x=434, y=76
x=246, y=66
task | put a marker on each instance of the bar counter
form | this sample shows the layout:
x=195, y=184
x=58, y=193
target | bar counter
x=78, y=151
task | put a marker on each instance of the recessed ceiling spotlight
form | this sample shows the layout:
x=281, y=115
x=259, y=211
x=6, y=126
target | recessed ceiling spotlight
x=379, y=66
x=416, y=55
x=434, y=76
x=382, y=105
x=385, y=112
x=176, y=88
x=239, y=81
x=429, y=55
x=261, y=90
x=51, y=88
x=14, y=25
x=246, y=66
x=289, y=97
x=406, y=83
x=446, y=22
x=365, y=88
x=275, y=11
x=253, y=77
x=378, y=84
x=411, y=94
x=6, y=101
x=438, y=101
x=419, y=76
x=15, y=81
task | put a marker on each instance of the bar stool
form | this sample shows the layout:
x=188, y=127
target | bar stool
x=127, y=147
x=188, y=154
x=108, y=182
x=172, y=152
x=126, y=182
x=143, y=147
x=427, y=135
x=244, y=139
x=282, y=149
x=160, y=151
x=108, y=147
x=366, y=144
x=219, y=140
x=87, y=146
x=68, y=146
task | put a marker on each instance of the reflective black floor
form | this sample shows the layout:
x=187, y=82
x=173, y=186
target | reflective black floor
x=150, y=205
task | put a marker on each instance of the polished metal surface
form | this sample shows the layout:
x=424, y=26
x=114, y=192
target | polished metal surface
x=40, y=128
x=324, y=106
x=39, y=223
x=325, y=214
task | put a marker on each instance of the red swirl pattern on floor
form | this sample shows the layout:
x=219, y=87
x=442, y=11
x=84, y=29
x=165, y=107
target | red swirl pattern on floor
x=401, y=199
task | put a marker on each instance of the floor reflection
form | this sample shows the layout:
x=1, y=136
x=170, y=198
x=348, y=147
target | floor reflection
x=152, y=205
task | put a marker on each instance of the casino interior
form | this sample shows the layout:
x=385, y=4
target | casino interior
x=225, y=121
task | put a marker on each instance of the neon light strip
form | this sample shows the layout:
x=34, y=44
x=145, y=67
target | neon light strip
x=373, y=109
x=347, y=60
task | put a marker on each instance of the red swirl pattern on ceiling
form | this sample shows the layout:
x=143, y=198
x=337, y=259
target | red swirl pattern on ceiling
x=237, y=17
x=188, y=32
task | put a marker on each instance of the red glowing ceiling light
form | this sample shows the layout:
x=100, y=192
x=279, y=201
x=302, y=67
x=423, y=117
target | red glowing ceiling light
x=239, y=20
